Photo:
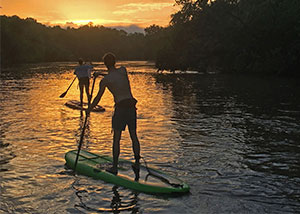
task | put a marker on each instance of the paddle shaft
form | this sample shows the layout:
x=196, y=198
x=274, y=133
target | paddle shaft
x=92, y=91
x=83, y=130
x=80, y=141
x=64, y=94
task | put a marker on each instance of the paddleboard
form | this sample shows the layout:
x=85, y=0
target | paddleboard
x=145, y=179
x=74, y=104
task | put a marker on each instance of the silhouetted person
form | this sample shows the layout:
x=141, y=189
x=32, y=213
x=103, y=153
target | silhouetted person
x=83, y=73
x=118, y=84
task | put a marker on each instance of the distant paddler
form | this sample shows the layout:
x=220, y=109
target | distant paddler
x=83, y=73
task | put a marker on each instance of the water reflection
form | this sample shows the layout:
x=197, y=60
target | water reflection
x=6, y=154
x=121, y=200
x=235, y=140
x=236, y=110
x=86, y=134
x=233, y=130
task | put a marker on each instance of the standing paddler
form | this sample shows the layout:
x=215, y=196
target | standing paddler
x=83, y=73
x=124, y=115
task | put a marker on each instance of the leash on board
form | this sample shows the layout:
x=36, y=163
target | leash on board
x=154, y=174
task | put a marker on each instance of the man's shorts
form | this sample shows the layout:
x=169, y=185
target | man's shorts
x=84, y=81
x=125, y=114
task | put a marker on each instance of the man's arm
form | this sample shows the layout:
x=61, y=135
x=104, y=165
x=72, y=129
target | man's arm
x=100, y=73
x=97, y=99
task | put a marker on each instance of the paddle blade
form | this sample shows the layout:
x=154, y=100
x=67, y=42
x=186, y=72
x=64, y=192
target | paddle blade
x=63, y=95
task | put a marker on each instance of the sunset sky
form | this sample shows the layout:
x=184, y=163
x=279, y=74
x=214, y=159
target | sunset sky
x=101, y=12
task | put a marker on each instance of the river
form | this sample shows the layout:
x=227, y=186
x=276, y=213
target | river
x=234, y=139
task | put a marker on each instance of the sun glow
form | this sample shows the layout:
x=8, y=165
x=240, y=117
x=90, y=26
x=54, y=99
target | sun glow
x=82, y=22
x=99, y=12
x=94, y=22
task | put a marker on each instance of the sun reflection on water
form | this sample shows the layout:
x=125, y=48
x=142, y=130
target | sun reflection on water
x=47, y=125
x=41, y=129
x=226, y=136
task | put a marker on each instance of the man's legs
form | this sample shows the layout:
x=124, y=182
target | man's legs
x=87, y=91
x=135, y=145
x=116, y=151
x=136, y=151
x=81, y=93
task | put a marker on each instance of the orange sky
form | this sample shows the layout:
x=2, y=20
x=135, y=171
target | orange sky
x=101, y=12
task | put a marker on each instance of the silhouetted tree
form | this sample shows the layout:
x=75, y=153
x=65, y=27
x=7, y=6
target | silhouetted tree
x=234, y=35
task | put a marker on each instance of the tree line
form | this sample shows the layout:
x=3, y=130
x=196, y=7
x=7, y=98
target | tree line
x=27, y=41
x=261, y=36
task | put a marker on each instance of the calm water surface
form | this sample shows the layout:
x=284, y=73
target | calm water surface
x=234, y=140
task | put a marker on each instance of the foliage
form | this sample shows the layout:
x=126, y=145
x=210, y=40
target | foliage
x=26, y=41
x=260, y=36
x=233, y=35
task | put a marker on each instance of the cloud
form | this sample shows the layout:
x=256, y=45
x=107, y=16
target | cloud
x=48, y=16
x=131, y=8
x=130, y=28
x=70, y=24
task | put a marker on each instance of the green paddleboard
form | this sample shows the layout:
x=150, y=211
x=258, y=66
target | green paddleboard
x=145, y=179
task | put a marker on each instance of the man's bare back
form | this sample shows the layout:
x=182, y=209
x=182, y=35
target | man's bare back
x=118, y=84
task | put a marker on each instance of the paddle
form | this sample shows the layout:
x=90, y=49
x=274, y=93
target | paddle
x=64, y=94
x=83, y=129
x=92, y=90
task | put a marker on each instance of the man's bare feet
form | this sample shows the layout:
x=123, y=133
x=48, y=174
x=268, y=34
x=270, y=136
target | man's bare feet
x=112, y=170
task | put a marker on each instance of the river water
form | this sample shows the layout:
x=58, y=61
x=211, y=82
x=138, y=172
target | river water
x=234, y=139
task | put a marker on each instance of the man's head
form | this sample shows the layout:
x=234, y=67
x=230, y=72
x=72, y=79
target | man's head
x=80, y=61
x=109, y=60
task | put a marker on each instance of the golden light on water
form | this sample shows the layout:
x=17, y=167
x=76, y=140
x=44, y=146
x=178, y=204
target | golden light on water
x=48, y=125
x=206, y=132
x=40, y=129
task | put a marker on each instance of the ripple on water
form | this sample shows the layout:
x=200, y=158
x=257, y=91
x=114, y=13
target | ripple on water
x=226, y=136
